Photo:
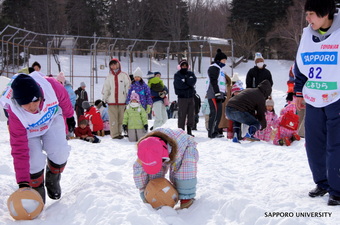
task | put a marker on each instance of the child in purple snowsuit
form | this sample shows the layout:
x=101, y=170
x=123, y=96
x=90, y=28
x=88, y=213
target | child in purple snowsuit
x=142, y=89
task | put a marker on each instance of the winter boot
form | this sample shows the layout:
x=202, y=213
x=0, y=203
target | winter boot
x=296, y=137
x=250, y=135
x=186, y=203
x=37, y=183
x=53, y=175
x=286, y=141
x=236, y=134
x=189, y=131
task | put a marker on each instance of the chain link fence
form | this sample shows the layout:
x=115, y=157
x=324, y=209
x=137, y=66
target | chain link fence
x=69, y=53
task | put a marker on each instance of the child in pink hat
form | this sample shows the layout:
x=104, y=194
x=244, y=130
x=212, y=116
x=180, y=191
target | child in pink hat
x=135, y=120
x=165, y=150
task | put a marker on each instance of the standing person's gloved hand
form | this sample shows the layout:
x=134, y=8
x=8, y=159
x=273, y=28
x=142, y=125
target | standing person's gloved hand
x=71, y=124
x=220, y=96
x=125, y=127
x=148, y=109
x=146, y=127
x=24, y=185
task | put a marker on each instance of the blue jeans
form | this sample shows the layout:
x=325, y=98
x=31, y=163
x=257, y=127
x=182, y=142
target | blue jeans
x=239, y=117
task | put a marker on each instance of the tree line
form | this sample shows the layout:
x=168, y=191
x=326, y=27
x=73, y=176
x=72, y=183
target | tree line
x=272, y=27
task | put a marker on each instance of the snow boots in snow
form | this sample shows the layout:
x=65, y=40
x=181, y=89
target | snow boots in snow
x=189, y=131
x=250, y=135
x=237, y=133
x=53, y=175
x=37, y=183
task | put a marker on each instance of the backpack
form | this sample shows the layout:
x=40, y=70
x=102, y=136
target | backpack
x=290, y=120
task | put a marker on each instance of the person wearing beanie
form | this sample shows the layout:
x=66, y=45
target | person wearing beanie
x=216, y=92
x=115, y=89
x=269, y=132
x=184, y=85
x=139, y=86
x=70, y=122
x=322, y=122
x=83, y=131
x=36, y=107
x=61, y=78
x=135, y=121
x=242, y=108
x=258, y=73
x=236, y=89
x=170, y=150
x=81, y=96
x=92, y=114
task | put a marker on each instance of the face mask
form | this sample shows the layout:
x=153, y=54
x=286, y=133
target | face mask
x=221, y=64
x=134, y=104
x=184, y=70
x=260, y=65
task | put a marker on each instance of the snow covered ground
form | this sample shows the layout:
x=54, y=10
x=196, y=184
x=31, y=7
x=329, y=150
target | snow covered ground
x=248, y=183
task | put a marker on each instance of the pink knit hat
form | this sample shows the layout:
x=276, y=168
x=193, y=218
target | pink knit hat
x=61, y=78
x=134, y=96
x=151, y=152
x=235, y=88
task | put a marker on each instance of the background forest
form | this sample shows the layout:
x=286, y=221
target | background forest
x=272, y=27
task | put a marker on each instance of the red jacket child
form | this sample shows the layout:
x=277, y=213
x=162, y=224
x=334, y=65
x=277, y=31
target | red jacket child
x=83, y=130
x=92, y=114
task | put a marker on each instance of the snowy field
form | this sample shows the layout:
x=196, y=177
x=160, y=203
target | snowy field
x=249, y=183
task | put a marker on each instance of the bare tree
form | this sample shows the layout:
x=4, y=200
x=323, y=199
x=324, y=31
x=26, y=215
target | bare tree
x=285, y=39
x=245, y=38
x=208, y=18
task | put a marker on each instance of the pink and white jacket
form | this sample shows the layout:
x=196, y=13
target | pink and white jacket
x=19, y=135
x=183, y=168
x=283, y=132
x=272, y=123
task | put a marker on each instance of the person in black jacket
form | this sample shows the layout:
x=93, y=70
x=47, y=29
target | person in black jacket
x=81, y=97
x=216, y=93
x=197, y=100
x=258, y=73
x=249, y=107
x=184, y=84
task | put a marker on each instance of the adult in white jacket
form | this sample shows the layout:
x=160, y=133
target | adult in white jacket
x=115, y=89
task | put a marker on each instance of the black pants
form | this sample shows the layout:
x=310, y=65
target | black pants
x=186, y=108
x=214, y=116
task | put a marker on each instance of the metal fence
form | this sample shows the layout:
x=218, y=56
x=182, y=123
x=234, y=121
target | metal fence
x=18, y=44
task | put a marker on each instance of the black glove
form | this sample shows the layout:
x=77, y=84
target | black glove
x=220, y=96
x=71, y=123
x=125, y=127
x=146, y=127
x=24, y=185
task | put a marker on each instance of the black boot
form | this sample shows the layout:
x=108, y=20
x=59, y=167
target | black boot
x=37, y=183
x=317, y=191
x=237, y=136
x=53, y=175
x=189, y=131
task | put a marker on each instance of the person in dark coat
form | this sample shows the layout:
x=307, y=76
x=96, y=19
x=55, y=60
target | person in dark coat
x=81, y=97
x=249, y=107
x=197, y=100
x=216, y=93
x=184, y=84
x=258, y=73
